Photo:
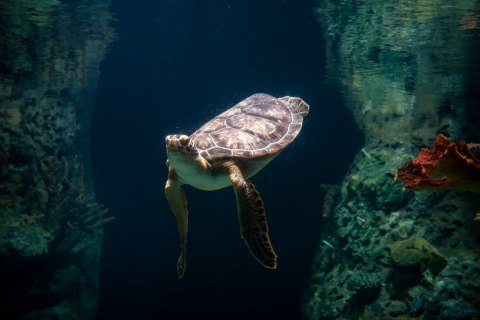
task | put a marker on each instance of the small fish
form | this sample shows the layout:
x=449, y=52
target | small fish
x=328, y=244
x=416, y=306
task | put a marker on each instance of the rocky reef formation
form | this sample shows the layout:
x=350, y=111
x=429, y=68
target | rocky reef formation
x=50, y=242
x=408, y=72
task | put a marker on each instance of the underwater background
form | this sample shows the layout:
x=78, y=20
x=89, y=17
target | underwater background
x=177, y=65
x=89, y=90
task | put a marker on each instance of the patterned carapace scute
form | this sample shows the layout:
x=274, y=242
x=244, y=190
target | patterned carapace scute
x=260, y=125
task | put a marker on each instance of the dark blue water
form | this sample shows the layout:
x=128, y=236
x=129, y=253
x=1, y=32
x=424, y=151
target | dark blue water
x=175, y=65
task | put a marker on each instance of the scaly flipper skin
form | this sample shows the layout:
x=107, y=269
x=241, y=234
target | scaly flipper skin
x=253, y=222
x=178, y=205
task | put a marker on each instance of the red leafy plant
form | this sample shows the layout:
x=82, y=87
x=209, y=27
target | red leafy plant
x=449, y=165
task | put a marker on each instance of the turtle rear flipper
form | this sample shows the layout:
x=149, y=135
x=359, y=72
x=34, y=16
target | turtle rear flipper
x=253, y=222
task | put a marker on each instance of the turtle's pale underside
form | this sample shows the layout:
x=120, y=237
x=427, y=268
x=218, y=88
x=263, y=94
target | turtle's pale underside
x=226, y=151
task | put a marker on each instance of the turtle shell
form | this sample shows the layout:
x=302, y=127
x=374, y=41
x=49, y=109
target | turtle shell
x=258, y=126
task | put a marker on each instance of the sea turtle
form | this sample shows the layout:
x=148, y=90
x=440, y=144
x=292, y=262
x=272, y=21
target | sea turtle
x=226, y=151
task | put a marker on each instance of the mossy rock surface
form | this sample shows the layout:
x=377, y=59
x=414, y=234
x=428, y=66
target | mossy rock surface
x=416, y=255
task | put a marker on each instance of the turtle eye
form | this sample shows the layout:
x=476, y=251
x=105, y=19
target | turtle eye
x=184, y=140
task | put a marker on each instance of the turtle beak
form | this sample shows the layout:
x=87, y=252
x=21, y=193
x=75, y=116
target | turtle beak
x=168, y=140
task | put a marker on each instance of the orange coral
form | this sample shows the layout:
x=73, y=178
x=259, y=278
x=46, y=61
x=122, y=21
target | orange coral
x=449, y=165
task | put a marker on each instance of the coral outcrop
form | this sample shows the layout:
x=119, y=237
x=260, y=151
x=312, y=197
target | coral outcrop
x=49, y=236
x=408, y=73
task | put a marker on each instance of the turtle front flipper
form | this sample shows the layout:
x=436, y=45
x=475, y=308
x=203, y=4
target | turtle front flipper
x=253, y=222
x=178, y=205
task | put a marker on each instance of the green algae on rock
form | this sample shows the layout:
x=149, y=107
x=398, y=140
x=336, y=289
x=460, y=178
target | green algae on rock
x=406, y=70
x=50, y=56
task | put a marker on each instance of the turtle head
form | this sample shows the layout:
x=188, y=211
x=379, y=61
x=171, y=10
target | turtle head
x=179, y=143
x=180, y=149
x=183, y=155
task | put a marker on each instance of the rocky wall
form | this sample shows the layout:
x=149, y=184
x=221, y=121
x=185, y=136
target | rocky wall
x=408, y=72
x=50, y=223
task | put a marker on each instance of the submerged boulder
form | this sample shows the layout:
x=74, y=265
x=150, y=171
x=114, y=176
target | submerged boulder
x=415, y=255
